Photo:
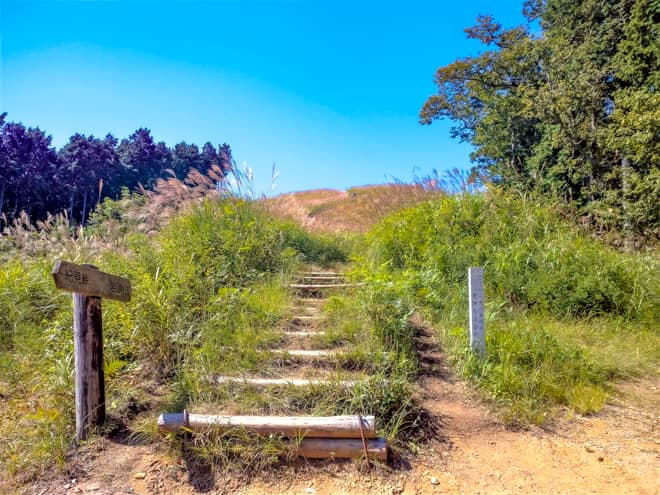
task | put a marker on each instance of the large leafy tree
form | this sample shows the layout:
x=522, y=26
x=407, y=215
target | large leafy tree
x=571, y=112
x=29, y=172
x=36, y=178
x=87, y=164
x=185, y=157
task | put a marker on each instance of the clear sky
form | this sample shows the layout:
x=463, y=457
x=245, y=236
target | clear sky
x=328, y=90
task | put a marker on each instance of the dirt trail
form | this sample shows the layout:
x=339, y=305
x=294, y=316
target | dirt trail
x=614, y=452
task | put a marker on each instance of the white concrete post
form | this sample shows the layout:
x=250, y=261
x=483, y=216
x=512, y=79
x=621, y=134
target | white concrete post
x=477, y=317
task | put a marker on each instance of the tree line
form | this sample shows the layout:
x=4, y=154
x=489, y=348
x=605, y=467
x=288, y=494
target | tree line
x=566, y=105
x=39, y=179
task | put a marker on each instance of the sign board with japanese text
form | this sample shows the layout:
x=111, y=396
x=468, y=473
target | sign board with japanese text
x=91, y=282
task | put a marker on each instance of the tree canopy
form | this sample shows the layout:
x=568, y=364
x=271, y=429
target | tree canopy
x=38, y=179
x=570, y=110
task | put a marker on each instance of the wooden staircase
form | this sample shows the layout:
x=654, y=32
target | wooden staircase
x=301, y=348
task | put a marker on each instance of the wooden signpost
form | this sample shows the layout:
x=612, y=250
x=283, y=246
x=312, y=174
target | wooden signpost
x=89, y=285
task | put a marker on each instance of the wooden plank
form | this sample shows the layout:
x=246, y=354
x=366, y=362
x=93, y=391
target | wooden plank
x=289, y=426
x=321, y=274
x=342, y=448
x=306, y=317
x=303, y=353
x=90, y=281
x=322, y=286
x=281, y=382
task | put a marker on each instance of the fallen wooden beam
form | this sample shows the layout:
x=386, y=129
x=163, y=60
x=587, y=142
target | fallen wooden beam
x=318, y=275
x=323, y=286
x=306, y=317
x=286, y=382
x=304, y=353
x=319, y=279
x=288, y=426
x=342, y=448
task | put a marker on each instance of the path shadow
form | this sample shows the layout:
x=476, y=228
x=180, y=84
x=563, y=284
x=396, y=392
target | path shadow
x=201, y=475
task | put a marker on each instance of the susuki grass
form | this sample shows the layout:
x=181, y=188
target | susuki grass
x=207, y=271
x=207, y=274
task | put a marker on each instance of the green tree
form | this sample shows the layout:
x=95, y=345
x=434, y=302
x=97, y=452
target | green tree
x=571, y=112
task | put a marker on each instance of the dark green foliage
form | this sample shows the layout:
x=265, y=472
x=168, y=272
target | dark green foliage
x=571, y=113
x=38, y=179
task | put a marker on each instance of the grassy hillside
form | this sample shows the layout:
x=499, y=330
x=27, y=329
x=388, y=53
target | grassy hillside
x=566, y=314
x=208, y=275
x=355, y=210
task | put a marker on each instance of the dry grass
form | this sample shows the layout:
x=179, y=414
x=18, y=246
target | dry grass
x=354, y=210
x=171, y=196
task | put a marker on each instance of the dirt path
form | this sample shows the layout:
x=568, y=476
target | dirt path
x=614, y=452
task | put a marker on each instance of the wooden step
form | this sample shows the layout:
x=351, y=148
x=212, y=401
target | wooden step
x=281, y=382
x=342, y=448
x=303, y=353
x=323, y=286
x=289, y=426
x=306, y=317
x=312, y=300
x=303, y=333
x=317, y=278
x=321, y=274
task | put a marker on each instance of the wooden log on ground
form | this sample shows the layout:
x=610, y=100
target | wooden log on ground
x=304, y=353
x=322, y=286
x=317, y=278
x=288, y=426
x=306, y=317
x=344, y=448
x=322, y=274
x=281, y=382
x=328, y=276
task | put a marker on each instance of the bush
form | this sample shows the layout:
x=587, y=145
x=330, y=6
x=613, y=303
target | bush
x=531, y=257
x=543, y=278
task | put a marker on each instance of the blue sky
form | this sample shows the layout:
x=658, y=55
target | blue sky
x=328, y=90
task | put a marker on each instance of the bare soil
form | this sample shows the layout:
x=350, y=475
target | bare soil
x=613, y=452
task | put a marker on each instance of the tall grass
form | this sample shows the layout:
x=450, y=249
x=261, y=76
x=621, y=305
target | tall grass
x=543, y=277
x=206, y=270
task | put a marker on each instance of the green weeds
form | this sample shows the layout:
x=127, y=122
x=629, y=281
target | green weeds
x=562, y=309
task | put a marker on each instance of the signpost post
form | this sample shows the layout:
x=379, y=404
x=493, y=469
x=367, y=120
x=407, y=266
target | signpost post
x=477, y=318
x=89, y=285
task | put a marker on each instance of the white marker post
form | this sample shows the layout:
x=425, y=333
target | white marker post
x=477, y=318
